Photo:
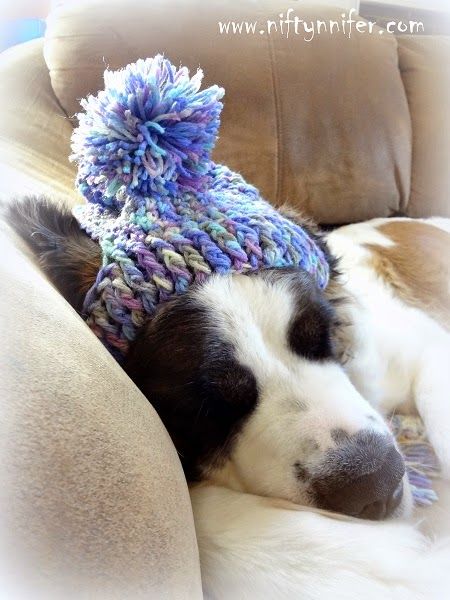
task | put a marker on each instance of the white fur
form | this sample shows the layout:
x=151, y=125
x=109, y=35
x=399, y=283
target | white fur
x=253, y=315
x=403, y=350
x=253, y=547
x=262, y=547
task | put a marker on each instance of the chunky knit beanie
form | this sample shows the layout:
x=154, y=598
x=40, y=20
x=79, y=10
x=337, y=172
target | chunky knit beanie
x=164, y=214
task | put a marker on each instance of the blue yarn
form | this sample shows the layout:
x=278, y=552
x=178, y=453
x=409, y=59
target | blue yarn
x=149, y=132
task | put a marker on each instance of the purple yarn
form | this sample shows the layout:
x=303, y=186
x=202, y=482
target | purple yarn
x=150, y=131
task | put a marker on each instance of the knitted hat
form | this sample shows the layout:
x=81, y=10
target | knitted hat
x=163, y=213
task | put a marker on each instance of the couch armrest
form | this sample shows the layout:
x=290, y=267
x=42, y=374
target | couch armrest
x=34, y=130
x=94, y=503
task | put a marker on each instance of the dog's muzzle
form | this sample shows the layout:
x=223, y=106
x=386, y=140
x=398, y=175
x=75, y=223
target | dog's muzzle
x=362, y=477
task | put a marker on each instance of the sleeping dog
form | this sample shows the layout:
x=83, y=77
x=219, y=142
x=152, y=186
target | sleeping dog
x=274, y=391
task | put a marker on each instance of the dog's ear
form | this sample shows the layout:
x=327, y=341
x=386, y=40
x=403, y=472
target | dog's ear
x=66, y=254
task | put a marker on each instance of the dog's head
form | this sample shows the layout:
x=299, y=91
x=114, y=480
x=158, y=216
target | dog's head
x=243, y=370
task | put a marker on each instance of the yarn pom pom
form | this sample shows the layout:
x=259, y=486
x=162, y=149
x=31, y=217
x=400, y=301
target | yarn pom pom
x=149, y=132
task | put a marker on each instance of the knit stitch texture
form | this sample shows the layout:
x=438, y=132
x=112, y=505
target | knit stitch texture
x=164, y=214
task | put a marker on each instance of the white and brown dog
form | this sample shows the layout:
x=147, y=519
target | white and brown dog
x=274, y=395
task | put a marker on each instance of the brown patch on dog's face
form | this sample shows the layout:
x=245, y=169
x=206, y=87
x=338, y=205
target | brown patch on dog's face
x=85, y=263
x=417, y=267
x=69, y=257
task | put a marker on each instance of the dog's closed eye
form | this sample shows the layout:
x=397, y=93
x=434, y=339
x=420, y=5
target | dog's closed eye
x=310, y=332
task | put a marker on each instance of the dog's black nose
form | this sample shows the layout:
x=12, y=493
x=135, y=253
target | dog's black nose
x=362, y=478
x=379, y=509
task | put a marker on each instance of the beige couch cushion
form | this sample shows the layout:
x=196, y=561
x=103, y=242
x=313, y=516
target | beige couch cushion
x=93, y=499
x=324, y=125
x=425, y=67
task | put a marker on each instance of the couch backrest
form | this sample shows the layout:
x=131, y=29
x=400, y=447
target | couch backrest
x=345, y=128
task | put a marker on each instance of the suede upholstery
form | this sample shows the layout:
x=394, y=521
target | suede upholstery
x=329, y=125
x=93, y=499
x=425, y=67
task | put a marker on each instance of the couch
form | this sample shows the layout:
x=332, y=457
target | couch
x=94, y=501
